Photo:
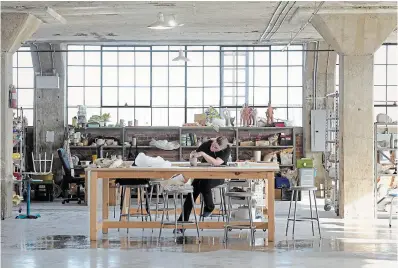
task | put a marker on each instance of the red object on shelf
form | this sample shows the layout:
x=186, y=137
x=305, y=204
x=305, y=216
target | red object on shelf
x=17, y=176
x=279, y=124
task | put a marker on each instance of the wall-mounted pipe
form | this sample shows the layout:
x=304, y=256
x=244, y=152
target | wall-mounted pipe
x=272, y=32
x=314, y=103
x=269, y=23
x=277, y=19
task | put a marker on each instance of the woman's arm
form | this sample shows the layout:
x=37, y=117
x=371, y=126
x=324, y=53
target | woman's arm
x=214, y=161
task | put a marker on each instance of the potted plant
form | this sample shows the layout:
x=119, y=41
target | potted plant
x=105, y=118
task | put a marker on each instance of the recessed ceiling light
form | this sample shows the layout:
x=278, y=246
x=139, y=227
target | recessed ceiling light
x=160, y=23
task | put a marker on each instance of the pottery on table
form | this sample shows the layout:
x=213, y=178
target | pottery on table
x=109, y=142
x=115, y=143
x=100, y=142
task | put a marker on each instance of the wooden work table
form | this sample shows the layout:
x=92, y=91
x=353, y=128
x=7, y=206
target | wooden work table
x=93, y=175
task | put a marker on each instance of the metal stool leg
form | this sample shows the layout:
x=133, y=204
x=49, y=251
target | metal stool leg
x=312, y=222
x=194, y=214
x=225, y=212
x=157, y=201
x=249, y=206
x=201, y=218
x=391, y=209
x=128, y=210
x=162, y=220
x=228, y=219
x=295, y=210
x=141, y=209
x=182, y=212
x=317, y=216
x=148, y=206
x=220, y=206
x=121, y=203
x=288, y=215
x=175, y=218
x=167, y=205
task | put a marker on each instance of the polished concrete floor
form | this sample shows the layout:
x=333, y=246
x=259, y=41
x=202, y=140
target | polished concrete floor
x=59, y=238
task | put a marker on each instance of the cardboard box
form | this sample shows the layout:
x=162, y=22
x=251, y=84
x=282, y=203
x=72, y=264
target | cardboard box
x=200, y=119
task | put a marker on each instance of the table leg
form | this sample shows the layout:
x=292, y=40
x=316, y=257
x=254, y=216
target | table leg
x=105, y=202
x=271, y=204
x=93, y=206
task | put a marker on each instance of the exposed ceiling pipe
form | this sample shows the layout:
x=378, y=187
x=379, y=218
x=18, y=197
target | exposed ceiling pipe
x=277, y=19
x=282, y=21
x=38, y=57
x=305, y=25
x=269, y=23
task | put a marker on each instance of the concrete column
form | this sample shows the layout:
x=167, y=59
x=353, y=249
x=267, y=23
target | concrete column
x=319, y=79
x=356, y=37
x=16, y=28
x=50, y=104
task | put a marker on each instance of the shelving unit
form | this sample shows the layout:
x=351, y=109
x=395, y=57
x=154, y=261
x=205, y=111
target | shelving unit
x=125, y=134
x=385, y=157
x=331, y=154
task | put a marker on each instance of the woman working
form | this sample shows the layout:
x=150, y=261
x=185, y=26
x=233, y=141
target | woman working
x=215, y=152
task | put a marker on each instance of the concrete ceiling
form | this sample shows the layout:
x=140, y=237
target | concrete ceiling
x=205, y=22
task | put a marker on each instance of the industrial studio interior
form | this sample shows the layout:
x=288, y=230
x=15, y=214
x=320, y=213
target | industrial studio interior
x=199, y=134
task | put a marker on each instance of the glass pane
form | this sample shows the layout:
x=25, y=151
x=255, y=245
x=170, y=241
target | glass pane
x=160, y=76
x=126, y=58
x=75, y=58
x=191, y=114
x=75, y=76
x=126, y=76
x=229, y=58
x=92, y=76
x=25, y=78
x=142, y=58
x=279, y=76
x=261, y=58
x=160, y=58
x=211, y=76
x=109, y=76
x=195, y=96
x=261, y=76
x=392, y=75
x=176, y=96
x=278, y=58
x=280, y=114
x=251, y=96
x=177, y=76
x=176, y=116
x=126, y=96
x=127, y=114
x=296, y=116
x=142, y=96
x=142, y=76
x=174, y=54
x=295, y=76
x=229, y=75
x=261, y=95
x=229, y=91
x=392, y=54
x=211, y=96
x=25, y=59
x=25, y=98
x=92, y=58
x=71, y=113
x=195, y=58
x=113, y=120
x=392, y=93
x=143, y=115
x=159, y=48
x=379, y=76
x=75, y=96
x=211, y=58
x=380, y=56
x=229, y=101
x=109, y=58
x=92, y=96
x=279, y=96
x=15, y=59
x=337, y=75
x=75, y=47
x=295, y=58
x=160, y=117
x=240, y=101
x=295, y=97
x=15, y=77
x=109, y=96
x=195, y=77
x=393, y=113
x=93, y=111
x=92, y=48
x=28, y=113
x=160, y=96
x=379, y=94
x=241, y=76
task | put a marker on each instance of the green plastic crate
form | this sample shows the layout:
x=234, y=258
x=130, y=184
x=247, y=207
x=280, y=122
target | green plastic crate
x=305, y=163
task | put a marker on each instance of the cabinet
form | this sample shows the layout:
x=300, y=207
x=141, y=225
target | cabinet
x=318, y=122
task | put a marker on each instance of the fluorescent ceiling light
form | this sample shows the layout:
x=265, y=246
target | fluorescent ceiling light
x=160, y=24
x=181, y=56
x=173, y=22
x=55, y=15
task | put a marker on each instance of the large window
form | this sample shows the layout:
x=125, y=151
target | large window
x=23, y=80
x=144, y=83
x=384, y=80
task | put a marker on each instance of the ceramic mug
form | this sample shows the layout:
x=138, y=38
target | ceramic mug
x=109, y=142
x=115, y=143
x=99, y=142
x=130, y=123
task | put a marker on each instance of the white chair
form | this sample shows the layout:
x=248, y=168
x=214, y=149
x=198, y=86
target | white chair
x=393, y=195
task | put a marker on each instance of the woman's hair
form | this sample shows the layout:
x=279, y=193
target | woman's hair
x=223, y=142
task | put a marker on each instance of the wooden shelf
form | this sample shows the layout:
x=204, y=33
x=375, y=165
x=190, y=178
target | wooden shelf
x=266, y=147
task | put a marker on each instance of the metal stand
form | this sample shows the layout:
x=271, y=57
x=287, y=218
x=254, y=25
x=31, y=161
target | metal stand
x=331, y=154
x=28, y=180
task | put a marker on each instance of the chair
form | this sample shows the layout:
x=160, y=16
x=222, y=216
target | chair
x=222, y=205
x=393, y=195
x=306, y=185
x=68, y=178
